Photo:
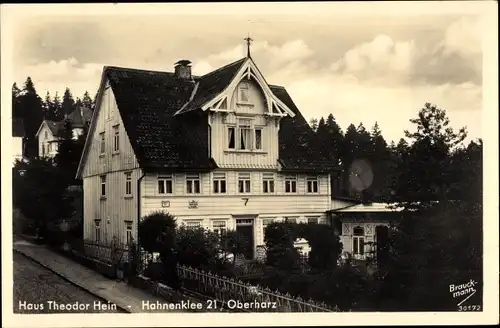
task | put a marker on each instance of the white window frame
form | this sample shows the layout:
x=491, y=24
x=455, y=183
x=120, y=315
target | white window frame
x=268, y=183
x=291, y=184
x=128, y=233
x=103, y=186
x=116, y=139
x=244, y=183
x=128, y=184
x=266, y=222
x=312, y=219
x=358, y=241
x=245, y=124
x=193, y=180
x=219, y=226
x=258, y=146
x=164, y=180
x=234, y=129
x=312, y=185
x=190, y=224
x=291, y=219
x=219, y=179
x=102, y=145
x=244, y=89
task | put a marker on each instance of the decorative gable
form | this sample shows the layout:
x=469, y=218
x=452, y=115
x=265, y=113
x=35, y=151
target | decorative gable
x=236, y=89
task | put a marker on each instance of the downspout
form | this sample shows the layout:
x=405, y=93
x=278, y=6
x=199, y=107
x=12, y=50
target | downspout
x=139, y=207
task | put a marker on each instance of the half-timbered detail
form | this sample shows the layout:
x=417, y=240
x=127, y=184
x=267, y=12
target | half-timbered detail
x=223, y=151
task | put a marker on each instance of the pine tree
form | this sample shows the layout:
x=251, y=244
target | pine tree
x=57, y=110
x=68, y=103
x=87, y=102
x=30, y=108
x=47, y=107
x=16, y=110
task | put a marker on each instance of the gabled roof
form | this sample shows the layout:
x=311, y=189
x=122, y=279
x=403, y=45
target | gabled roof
x=149, y=100
x=79, y=117
x=17, y=127
x=211, y=84
x=55, y=128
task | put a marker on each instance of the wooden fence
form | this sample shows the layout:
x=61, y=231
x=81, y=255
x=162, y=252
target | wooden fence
x=241, y=296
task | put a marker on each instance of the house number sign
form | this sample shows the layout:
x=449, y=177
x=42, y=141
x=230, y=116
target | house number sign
x=193, y=204
x=165, y=203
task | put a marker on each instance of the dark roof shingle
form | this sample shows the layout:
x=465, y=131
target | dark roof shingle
x=148, y=100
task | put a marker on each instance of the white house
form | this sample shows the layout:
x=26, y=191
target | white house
x=17, y=139
x=223, y=151
x=49, y=133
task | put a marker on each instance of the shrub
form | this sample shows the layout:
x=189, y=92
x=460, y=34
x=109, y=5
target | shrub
x=197, y=247
x=157, y=232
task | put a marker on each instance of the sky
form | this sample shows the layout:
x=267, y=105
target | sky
x=382, y=67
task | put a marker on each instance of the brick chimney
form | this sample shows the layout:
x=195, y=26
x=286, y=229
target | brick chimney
x=183, y=69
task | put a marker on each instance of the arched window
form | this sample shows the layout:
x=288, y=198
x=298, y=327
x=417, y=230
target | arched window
x=358, y=240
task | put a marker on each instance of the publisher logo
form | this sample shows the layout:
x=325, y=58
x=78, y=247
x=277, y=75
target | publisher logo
x=463, y=291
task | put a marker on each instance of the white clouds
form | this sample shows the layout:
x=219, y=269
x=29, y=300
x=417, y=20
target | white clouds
x=380, y=59
x=464, y=37
x=57, y=75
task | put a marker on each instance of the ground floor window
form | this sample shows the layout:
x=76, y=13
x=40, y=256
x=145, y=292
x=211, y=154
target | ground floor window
x=193, y=224
x=219, y=227
x=358, y=241
x=129, y=233
x=97, y=236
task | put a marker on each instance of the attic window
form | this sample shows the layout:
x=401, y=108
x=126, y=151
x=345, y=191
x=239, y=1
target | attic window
x=46, y=135
x=243, y=92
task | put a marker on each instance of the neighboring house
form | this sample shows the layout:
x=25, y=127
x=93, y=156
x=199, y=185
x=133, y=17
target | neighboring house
x=17, y=139
x=50, y=133
x=223, y=151
x=364, y=226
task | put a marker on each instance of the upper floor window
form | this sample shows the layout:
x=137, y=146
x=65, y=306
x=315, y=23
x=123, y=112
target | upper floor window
x=268, y=183
x=291, y=184
x=244, y=183
x=245, y=128
x=46, y=135
x=193, y=183
x=243, y=92
x=165, y=184
x=103, y=142
x=290, y=219
x=128, y=184
x=244, y=136
x=312, y=184
x=219, y=181
x=258, y=138
x=116, y=138
x=103, y=185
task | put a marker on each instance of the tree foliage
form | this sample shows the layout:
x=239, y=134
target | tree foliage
x=40, y=192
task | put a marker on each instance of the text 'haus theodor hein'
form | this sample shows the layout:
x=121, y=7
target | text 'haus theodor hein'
x=222, y=151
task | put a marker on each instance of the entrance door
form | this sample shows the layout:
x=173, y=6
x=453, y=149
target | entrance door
x=244, y=227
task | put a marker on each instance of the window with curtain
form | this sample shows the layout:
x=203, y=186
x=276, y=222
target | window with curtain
x=258, y=138
x=231, y=138
x=245, y=134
